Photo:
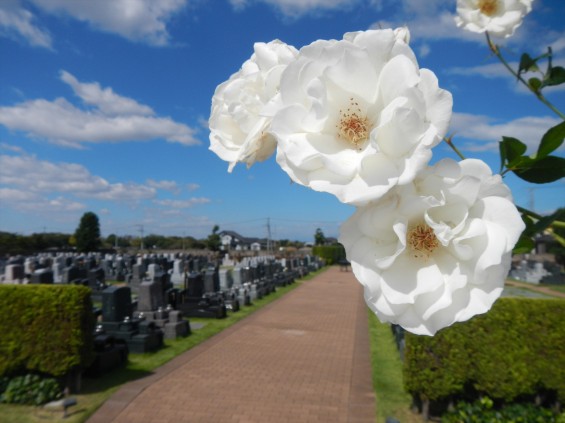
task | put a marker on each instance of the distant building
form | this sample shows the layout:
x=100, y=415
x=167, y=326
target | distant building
x=231, y=240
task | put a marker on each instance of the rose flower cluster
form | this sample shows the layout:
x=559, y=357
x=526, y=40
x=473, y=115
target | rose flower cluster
x=358, y=118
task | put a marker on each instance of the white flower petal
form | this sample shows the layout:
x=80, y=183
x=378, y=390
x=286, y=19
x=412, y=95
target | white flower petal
x=242, y=106
x=362, y=107
x=449, y=250
x=498, y=17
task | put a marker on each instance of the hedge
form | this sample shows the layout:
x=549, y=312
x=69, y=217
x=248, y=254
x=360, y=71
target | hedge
x=515, y=350
x=45, y=328
x=330, y=253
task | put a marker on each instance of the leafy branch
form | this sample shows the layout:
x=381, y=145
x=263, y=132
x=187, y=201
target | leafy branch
x=554, y=75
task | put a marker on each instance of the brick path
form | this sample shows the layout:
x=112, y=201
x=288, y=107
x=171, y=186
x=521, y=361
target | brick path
x=303, y=358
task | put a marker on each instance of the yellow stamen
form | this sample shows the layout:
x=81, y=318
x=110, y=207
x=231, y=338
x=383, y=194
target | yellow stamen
x=422, y=241
x=353, y=126
x=488, y=7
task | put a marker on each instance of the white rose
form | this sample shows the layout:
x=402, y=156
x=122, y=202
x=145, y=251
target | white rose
x=498, y=17
x=357, y=116
x=436, y=251
x=239, y=123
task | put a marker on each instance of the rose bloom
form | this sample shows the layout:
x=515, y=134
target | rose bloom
x=357, y=116
x=436, y=251
x=498, y=17
x=239, y=128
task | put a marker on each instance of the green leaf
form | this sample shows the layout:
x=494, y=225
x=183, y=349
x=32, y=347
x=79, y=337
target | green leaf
x=555, y=76
x=511, y=149
x=524, y=245
x=546, y=221
x=527, y=64
x=541, y=171
x=551, y=140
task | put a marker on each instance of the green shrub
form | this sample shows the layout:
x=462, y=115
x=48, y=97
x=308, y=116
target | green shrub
x=516, y=350
x=31, y=389
x=330, y=253
x=483, y=411
x=45, y=328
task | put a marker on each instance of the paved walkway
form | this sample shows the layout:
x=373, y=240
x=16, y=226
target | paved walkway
x=303, y=358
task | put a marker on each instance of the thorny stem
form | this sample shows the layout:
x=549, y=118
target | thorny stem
x=494, y=48
x=449, y=142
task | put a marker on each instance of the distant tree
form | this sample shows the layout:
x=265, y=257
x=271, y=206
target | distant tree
x=213, y=242
x=557, y=248
x=87, y=234
x=319, y=237
x=110, y=241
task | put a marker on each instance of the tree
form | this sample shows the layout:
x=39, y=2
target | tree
x=213, y=242
x=319, y=237
x=87, y=234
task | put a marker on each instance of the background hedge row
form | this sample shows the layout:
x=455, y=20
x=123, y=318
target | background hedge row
x=330, y=253
x=515, y=350
x=45, y=328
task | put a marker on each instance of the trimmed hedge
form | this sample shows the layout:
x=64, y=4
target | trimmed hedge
x=330, y=253
x=45, y=328
x=515, y=350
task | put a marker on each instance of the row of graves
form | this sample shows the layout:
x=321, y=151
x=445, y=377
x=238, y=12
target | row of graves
x=152, y=297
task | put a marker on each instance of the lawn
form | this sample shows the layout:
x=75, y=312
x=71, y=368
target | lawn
x=96, y=390
x=392, y=400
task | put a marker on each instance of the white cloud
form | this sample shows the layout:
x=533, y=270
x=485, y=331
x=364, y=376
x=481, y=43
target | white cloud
x=182, y=204
x=18, y=23
x=104, y=99
x=31, y=175
x=497, y=70
x=192, y=187
x=114, y=119
x=492, y=70
x=10, y=147
x=171, y=186
x=487, y=132
x=298, y=8
x=33, y=202
x=140, y=20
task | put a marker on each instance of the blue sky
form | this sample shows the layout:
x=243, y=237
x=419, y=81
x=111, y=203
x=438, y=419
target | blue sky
x=104, y=104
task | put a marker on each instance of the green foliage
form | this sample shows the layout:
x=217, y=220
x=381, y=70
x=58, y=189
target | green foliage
x=11, y=243
x=213, y=242
x=539, y=168
x=516, y=349
x=87, y=234
x=319, y=237
x=330, y=253
x=45, y=328
x=483, y=411
x=31, y=389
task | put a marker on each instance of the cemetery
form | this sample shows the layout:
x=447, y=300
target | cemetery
x=124, y=305
x=138, y=303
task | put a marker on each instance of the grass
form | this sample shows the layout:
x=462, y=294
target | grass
x=392, y=400
x=95, y=391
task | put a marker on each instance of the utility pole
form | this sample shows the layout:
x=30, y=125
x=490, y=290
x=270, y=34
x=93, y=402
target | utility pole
x=141, y=235
x=268, y=234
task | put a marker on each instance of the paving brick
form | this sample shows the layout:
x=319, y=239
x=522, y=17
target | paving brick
x=303, y=358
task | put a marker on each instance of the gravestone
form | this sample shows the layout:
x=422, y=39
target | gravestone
x=226, y=279
x=14, y=273
x=151, y=296
x=211, y=280
x=72, y=273
x=237, y=279
x=116, y=303
x=42, y=276
x=194, y=285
